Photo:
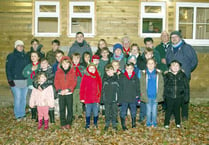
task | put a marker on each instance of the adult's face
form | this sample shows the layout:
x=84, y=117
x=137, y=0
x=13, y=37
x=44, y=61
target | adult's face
x=175, y=39
x=20, y=48
x=149, y=44
x=35, y=45
x=164, y=37
x=79, y=38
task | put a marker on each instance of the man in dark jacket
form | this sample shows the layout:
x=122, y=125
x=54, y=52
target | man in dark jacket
x=15, y=63
x=184, y=53
x=80, y=45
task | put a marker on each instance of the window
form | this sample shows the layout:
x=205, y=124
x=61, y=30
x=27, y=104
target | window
x=47, y=19
x=152, y=19
x=193, y=21
x=81, y=18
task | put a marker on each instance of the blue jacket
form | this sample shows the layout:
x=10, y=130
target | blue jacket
x=15, y=63
x=186, y=55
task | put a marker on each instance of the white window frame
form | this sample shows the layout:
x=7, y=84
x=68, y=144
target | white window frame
x=81, y=15
x=152, y=15
x=193, y=41
x=39, y=14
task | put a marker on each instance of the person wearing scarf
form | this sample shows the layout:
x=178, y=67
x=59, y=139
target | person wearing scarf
x=129, y=90
x=118, y=55
x=79, y=69
x=90, y=93
x=126, y=46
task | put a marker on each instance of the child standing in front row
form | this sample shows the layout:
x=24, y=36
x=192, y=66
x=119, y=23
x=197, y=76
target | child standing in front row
x=129, y=90
x=43, y=99
x=109, y=98
x=65, y=82
x=90, y=93
x=152, y=86
x=176, y=92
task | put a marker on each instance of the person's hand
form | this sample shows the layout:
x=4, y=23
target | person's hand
x=39, y=88
x=11, y=83
x=63, y=92
x=163, y=60
x=82, y=101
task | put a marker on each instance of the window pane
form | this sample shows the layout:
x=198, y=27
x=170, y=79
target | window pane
x=186, y=15
x=186, y=30
x=47, y=8
x=202, y=15
x=81, y=9
x=152, y=25
x=202, y=31
x=48, y=25
x=152, y=9
x=81, y=24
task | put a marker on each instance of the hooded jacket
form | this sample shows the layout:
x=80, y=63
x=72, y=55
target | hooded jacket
x=65, y=80
x=40, y=53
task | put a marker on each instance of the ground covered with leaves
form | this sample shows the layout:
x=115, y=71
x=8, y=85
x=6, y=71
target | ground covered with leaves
x=193, y=131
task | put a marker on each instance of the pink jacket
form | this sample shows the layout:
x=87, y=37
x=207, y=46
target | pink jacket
x=42, y=98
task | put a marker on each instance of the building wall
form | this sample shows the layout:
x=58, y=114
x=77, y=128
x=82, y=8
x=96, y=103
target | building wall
x=114, y=19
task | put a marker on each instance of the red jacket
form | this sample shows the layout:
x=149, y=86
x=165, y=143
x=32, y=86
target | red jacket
x=64, y=81
x=90, y=89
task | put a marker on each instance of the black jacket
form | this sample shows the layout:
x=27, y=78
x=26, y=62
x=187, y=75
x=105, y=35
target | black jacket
x=110, y=89
x=176, y=86
x=50, y=78
x=40, y=53
x=128, y=89
x=15, y=63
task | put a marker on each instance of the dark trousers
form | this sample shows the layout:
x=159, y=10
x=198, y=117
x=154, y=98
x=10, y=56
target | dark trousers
x=173, y=106
x=143, y=111
x=111, y=112
x=66, y=101
x=124, y=108
x=185, y=110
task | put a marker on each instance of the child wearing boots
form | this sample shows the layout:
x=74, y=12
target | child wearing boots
x=45, y=67
x=43, y=99
x=109, y=97
x=129, y=90
x=90, y=93
x=77, y=105
x=65, y=82
x=176, y=92
x=152, y=86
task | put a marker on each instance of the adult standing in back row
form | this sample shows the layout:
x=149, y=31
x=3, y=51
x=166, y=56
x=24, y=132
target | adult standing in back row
x=184, y=53
x=80, y=45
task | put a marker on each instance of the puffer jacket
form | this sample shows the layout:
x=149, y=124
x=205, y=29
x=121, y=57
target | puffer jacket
x=176, y=86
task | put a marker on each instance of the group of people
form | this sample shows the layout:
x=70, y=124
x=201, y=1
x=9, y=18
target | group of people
x=121, y=79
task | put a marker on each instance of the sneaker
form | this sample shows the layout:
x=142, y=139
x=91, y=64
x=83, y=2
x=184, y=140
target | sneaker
x=178, y=126
x=166, y=126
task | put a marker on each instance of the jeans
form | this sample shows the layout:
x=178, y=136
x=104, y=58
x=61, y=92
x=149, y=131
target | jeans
x=19, y=101
x=111, y=112
x=124, y=108
x=151, y=107
x=142, y=111
x=92, y=107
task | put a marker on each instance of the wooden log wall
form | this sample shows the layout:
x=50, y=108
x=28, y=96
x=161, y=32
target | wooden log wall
x=113, y=20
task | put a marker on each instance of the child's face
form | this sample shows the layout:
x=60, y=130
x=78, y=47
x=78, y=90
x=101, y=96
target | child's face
x=87, y=58
x=105, y=54
x=133, y=60
x=129, y=69
x=149, y=55
x=92, y=69
x=44, y=64
x=118, y=52
x=134, y=50
x=110, y=72
x=59, y=56
x=79, y=38
x=42, y=79
x=96, y=61
x=149, y=44
x=102, y=44
x=151, y=65
x=55, y=46
x=175, y=67
x=34, y=57
x=35, y=45
x=65, y=65
x=76, y=59
x=115, y=66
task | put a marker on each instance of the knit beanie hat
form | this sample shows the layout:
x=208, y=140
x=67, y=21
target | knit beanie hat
x=117, y=46
x=19, y=42
x=176, y=33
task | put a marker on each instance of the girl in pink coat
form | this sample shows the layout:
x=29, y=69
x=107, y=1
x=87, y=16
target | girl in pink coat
x=43, y=99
